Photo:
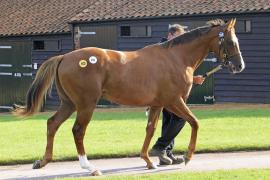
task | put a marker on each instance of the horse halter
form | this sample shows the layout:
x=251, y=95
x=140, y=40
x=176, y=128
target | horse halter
x=225, y=56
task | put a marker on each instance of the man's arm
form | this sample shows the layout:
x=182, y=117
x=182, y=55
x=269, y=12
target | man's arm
x=198, y=79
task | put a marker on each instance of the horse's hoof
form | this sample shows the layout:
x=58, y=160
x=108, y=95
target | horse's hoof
x=37, y=164
x=96, y=173
x=186, y=159
x=151, y=166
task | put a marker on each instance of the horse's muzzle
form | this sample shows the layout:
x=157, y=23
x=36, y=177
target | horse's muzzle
x=236, y=64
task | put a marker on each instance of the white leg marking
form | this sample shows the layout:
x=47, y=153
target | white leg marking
x=85, y=164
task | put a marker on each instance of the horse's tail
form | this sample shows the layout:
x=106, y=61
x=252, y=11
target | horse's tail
x=40, y=87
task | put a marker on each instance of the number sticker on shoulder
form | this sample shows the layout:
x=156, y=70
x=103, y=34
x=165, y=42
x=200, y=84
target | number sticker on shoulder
x=93, y=59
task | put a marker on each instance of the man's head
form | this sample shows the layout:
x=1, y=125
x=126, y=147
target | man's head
x=175, y=30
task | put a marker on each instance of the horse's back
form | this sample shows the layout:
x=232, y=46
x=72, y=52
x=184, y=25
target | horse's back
x=95, y=71
x=116, y=75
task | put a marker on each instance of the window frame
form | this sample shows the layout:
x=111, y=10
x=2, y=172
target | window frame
x=247, y=23
x=47, y=40
x=148, y=31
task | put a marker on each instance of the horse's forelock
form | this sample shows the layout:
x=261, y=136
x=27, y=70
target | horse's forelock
x=215, y=22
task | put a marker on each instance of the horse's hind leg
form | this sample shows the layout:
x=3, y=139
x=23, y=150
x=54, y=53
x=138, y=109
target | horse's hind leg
x=150, y=129
x=180, y=109
x=82, y=120
x=53, y=123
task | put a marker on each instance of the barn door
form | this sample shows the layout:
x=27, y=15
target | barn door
x=104, y=36
x=203, y=94
x=15, y=72
x=98, y=36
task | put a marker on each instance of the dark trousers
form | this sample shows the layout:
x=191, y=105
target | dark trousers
x=171, y=126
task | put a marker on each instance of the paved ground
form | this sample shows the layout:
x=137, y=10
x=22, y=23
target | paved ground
x=215, y=106
x=201, y=162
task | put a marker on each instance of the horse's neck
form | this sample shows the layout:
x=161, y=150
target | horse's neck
x=198, y=49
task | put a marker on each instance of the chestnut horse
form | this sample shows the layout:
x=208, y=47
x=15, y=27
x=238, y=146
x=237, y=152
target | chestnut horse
x=157, y=76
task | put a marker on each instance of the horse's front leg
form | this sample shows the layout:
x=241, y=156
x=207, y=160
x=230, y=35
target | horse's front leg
x=79, y=128
x=150, y=129
x=180, y=109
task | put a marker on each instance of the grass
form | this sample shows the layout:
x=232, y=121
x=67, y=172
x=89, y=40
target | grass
x=243, y=174
x=120, y=134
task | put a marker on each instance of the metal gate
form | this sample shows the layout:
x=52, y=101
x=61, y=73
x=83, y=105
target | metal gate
x=15, y=72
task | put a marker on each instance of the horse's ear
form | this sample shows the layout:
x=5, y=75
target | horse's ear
x=230, y=25
x=234, y=22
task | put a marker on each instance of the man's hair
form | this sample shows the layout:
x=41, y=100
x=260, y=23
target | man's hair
x=176, y=28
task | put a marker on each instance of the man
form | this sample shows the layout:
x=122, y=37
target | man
x=171, y=123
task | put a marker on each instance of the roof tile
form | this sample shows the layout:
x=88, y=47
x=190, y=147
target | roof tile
x=24, y=17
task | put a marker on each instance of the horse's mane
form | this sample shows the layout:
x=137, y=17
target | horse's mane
x=193, y=34
x=216, y=22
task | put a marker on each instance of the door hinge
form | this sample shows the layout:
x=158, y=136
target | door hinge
x=18, y=74
x=27, y=65
x=207, y=98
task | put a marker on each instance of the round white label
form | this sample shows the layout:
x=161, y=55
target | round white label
x=221, y=34
x=93, y=59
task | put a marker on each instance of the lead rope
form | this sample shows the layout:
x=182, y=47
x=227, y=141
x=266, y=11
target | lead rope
x=216, y=69
x=219, y=67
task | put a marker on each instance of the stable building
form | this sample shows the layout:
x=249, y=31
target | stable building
x=33, y=32
x=30, y=33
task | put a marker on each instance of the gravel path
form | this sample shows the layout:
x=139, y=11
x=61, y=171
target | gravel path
x=200, y=162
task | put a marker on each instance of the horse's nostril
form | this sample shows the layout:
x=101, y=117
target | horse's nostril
x=240, y=66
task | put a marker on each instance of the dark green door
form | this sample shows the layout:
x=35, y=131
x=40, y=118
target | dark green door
x=203, y=94
x=15, y=72
x=104, y=36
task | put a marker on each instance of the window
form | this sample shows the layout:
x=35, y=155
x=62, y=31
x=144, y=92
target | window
x=248, y=26
x=243, y=26
x=46, y=45
x=38, y=45
x=125, y=31
x=135, y=31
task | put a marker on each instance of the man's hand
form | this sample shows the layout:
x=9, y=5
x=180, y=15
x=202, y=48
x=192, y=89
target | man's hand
x=198, y=79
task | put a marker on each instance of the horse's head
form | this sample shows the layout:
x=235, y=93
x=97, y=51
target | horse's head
x=226, y=48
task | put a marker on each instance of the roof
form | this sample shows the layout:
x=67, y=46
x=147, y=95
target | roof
x=29, y=17
x=129, y=9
